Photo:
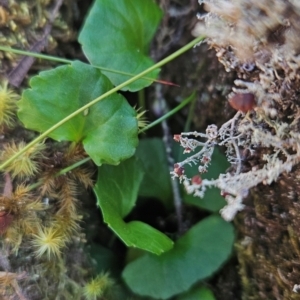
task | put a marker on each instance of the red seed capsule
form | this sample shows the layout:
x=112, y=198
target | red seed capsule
x=187, y=150
x=178, y=170
x=177, y=137
x=205, y=159
x=197, y=180
x=243, y=102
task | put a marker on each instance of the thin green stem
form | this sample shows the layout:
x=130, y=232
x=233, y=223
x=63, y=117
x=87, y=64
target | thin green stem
x=112, y=91
x=75, y=165
x=61, y=172
x=36, y=55
x=190, y=115
x=170, y=113
x=64, y=61
x=83, y=161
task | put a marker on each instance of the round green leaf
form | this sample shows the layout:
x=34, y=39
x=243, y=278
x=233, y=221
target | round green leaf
x=116, y=190
x=195, y=256
x=108, y=129
x=117, y=34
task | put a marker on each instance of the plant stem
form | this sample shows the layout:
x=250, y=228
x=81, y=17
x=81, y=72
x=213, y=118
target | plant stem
x=61, y=172
x=36, y=55
x=68, y=61
x=170, y=113
x=83, y=161
x=112, y=91
x=190, y=115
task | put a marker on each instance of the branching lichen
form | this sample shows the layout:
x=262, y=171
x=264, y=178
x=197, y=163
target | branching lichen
x=262, y=46
x=239, y=133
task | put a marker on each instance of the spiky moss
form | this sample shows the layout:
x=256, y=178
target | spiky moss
x=45, y=222
x=39, y=217
x=8, y=106
x=49, y=241
x=27, y=164
x=97, y=287
x=142, y=121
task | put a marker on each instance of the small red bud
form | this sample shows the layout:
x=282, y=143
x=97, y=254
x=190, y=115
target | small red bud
x=177, y=137
x=202, y=169
x=178, y=170
x=205, y=159
x=197, y=180
x=187, y=150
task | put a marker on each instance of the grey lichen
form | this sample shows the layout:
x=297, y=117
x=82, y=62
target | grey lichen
x=258, y=40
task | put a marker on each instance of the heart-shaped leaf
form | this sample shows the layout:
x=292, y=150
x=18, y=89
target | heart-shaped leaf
x=195, y=256
x=116, y=190
x=117, y=34
x=108, y=129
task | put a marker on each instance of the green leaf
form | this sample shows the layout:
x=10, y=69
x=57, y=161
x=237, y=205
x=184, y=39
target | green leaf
x=195, y=256
x=198, y=293
x=108, y=129
x=157, y=181
x=116, y=190
x=117, y=34
x=104, y=259
x=212, y=200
